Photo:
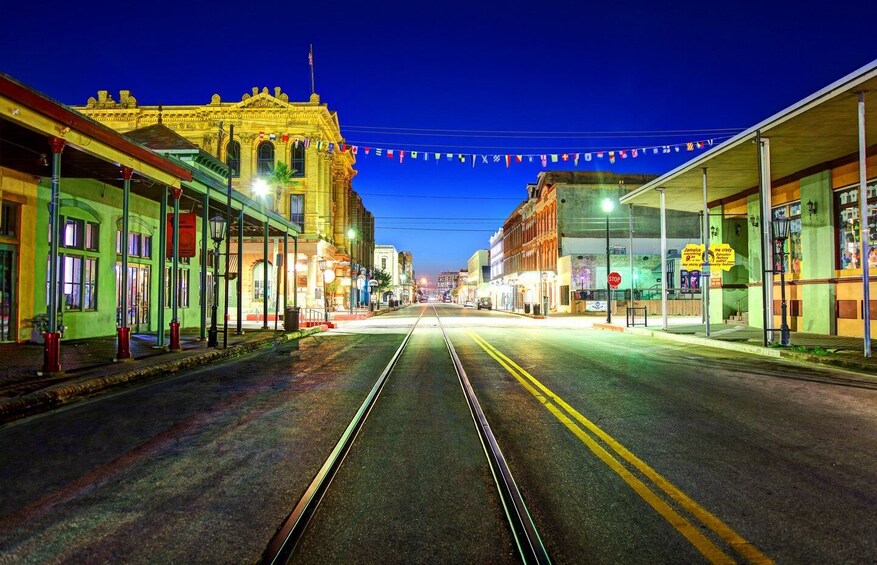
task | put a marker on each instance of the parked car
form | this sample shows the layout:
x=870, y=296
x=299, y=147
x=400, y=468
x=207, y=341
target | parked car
x=485, y=302
x=469, y=304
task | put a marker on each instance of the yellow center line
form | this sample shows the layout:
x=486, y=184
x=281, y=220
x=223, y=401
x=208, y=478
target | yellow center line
x=546, y=396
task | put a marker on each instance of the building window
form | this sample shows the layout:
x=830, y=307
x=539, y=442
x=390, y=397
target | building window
x=77, y=279
x=297, y=160
x=139, y=244
x=233, y=151
x=182, y=287
x=9, y=219
x=383, y=263
x=846, y=208
x=297, y=209
x=792, y=249
x=265, y=159
x=260, y=286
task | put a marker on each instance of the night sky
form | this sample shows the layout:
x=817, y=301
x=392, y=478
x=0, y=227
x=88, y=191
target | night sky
x=397, y=71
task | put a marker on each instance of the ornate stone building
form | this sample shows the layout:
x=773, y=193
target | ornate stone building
x=269, y=129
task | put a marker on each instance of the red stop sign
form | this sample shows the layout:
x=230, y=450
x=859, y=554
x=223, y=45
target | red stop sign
x=614, y=279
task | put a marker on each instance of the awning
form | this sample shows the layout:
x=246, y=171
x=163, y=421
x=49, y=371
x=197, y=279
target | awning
x=809, y=135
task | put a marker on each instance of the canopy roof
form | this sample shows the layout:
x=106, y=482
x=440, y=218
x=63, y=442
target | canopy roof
x=804, y=138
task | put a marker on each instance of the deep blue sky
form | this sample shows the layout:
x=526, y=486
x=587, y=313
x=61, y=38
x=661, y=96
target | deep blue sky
x=509, y=66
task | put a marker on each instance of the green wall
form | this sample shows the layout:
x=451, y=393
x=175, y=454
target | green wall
x=817, y=249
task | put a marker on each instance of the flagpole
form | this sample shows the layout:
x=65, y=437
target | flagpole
x=311, y=62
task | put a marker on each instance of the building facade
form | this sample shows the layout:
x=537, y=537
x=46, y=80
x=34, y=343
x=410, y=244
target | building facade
x=269, y=130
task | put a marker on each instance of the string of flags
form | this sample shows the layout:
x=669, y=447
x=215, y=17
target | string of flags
x=610, y=155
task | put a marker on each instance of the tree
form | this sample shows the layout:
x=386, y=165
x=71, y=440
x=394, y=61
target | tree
x=280, y=179
x=384, y=280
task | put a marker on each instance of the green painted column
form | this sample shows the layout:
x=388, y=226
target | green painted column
x=205, y=237
x=818, y=255
x=162, y=263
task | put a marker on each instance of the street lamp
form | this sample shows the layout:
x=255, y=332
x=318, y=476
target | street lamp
x=351, y=235
x=607, y=209
x=217, y=234
x=780, y=229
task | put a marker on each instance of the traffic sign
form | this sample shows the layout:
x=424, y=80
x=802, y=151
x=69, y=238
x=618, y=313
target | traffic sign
x=614, y=279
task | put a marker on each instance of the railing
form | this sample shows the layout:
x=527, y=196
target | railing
x=637, y=316
x=309, y=317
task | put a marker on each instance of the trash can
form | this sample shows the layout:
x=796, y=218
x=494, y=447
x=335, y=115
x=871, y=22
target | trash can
x=535, y=309
x=290, y=319
x=526, y=308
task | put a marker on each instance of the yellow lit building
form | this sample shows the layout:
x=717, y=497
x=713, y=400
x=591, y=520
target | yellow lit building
x=270, y=129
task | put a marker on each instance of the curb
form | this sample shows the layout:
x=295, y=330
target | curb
x=867, y=369
x=54, y=397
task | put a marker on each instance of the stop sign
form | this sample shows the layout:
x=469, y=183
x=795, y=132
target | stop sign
x=614, y=279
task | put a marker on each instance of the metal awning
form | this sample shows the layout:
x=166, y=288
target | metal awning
x=809, y=135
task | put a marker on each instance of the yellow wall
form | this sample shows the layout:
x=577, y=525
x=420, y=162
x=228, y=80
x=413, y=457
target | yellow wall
x=22, y=189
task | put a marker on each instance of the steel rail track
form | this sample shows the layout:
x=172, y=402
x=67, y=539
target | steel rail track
x=527, y=540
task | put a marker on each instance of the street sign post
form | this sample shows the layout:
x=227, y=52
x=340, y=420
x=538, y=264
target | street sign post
x=614, y=279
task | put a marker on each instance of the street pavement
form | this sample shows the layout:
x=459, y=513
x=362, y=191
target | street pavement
x=626, y=448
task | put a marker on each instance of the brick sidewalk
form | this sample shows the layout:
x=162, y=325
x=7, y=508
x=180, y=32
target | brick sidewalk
x=89, y=358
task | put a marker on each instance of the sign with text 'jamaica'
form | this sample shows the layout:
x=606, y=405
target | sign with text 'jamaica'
x=721, y=257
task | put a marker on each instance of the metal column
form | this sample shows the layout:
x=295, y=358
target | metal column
x=764, y=189
x=285, y=271
x=175, y=275
x=162, y=265
x=239, y=287
x=864, y=228
x=123, y=350
x=228, y=243
x=706, y=269
x=52, y=337
x=663, y=259
x=265, y=278
x=205, y=249
x=630, y=255
x=295, y=272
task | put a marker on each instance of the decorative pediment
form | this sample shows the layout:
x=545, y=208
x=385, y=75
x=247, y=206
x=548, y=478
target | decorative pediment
x=264, y=100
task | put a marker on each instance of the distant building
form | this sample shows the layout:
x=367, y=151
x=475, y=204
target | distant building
x=478, y=278
x=446, y=282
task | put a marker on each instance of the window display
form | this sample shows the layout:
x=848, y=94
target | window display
x=792, y=250
x=848, y=233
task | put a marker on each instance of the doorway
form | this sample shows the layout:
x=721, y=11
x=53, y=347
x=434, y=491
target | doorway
x=137, y=296
x=8, y=298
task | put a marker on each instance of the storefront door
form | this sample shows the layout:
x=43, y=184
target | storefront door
x=137, y=295
x=8, y=298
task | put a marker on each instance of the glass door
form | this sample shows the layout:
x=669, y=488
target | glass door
x=7, y=292
x=137, y=295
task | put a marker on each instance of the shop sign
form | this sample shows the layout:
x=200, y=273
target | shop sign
x=595, y=305
x=187, y=235
x=721, y=257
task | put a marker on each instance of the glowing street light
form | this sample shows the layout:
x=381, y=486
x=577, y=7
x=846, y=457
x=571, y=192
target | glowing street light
x=260, y=187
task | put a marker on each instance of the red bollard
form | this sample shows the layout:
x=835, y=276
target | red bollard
x=175, y=336
x=124, y=343
x=51, y=352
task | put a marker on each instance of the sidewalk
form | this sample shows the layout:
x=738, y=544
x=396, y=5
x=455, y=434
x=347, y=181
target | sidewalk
x=89, y=367
x=829, y=350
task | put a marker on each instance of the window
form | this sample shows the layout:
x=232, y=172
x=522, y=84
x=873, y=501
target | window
x=9, y=219
x=139, y=244
x=182, y=288
x=383, y=263
x=77, y=279
x=793, y=243
x=265, y=159
x=71, y=232
x=259, y=284
x=297, y=209
x=846, y=208
x=297, y=160
x=233, y=149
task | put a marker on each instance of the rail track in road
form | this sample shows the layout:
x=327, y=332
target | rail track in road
x=527, y=541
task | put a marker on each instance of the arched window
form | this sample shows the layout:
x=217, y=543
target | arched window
x=234, y=158
x=259, y=283
x=297, y=160
x=265, y=159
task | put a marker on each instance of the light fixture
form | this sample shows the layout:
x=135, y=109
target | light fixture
x=714, y=231
x=811, y=207
x=217, y=228
x=754, y=221
x=780, y=229
x=351, y=234
x=260, y=187
x=607, y=205
x=738, y=229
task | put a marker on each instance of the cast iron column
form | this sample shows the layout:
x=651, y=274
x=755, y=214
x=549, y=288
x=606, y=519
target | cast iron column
x=52, y=338
x=608, y=270
x=205, y=249
x=228, y=242
x=162, y=265
x=265, y=277
x=175, y=274
x=124, y=332
x=239, y=286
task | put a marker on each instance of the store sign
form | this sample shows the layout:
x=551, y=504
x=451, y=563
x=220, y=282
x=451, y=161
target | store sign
x=188, y=245
x=721, y=257
x=595, y=305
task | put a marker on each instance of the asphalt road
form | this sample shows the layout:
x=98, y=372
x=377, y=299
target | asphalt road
x=626, y=449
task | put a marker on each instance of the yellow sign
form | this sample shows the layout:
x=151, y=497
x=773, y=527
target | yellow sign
x=721, y=257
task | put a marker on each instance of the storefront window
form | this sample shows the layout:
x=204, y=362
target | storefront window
x=792, y=249
x=848, y=233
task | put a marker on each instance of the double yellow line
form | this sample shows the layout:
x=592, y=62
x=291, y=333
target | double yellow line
x=580, y=426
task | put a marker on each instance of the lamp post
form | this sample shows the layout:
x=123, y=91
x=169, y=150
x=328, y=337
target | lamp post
x=217, y=234
x=351, y=235
x=607, y=206
x=780, y=229
x=328, y=276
